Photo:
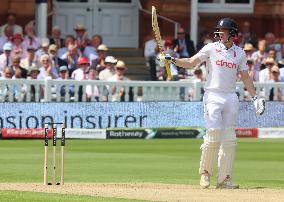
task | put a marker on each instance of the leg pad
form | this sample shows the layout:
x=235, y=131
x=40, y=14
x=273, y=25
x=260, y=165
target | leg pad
x=210, y=149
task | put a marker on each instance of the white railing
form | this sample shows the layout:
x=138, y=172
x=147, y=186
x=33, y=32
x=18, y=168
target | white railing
x=27, y=90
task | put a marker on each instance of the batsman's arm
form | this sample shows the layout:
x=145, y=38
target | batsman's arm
x=248, y=83
x=183, y=62
x=259, y=103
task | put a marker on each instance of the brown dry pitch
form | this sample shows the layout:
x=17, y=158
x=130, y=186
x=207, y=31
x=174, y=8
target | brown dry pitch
x=153, y=191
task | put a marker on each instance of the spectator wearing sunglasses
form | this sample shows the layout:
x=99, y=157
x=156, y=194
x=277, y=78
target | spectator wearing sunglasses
x=264, y=74
x=185, y=46
x=109, y=70
x=118, y=93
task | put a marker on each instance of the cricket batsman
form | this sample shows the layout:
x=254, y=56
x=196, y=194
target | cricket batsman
x=224, y=60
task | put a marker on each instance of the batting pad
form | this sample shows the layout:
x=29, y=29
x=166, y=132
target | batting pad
x=226, y=156
x=210, y=149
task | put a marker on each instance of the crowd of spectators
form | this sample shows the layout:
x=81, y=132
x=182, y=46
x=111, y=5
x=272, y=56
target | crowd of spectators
x=80, y=57
x=265, y=57
x=23, y=55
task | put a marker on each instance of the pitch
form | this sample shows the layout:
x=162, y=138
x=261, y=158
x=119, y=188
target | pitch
x=151, y=170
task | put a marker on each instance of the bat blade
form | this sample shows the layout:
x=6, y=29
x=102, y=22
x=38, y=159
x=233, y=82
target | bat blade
x=156, y=30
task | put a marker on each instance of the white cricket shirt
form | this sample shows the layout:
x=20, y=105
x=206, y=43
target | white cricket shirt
x=222, y=66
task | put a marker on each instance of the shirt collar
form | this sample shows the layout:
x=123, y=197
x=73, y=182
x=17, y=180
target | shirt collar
x=223, y=47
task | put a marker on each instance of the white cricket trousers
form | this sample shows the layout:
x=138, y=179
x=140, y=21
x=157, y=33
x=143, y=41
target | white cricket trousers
x=220, y=113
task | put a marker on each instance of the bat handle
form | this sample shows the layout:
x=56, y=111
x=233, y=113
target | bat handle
x=168, y=70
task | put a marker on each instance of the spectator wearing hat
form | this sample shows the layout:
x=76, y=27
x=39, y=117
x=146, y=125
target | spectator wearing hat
x=69, y=39
x=249, y=49
x=120, y=69
x=81, y=37
x=260, y=55
x=118, y=94
x=5, y=57
x=56, y=37
x=30, y=59
x=81, y=73
x=99, y=62
x=71, y=58
x=7, y=37
x=56, y=61
x=64, y=75
x=275, y=74
x=264, y=75
x=46, y=69
x=11, y=21
x=16, y=60
x=109, y=70
x=30, y=38
x=33, y=71
x=18, y=48
x=33, y=74
x=90, y=51
x=43, y=48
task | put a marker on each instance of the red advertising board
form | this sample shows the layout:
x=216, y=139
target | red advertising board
x=247, y=132
x=33, y=133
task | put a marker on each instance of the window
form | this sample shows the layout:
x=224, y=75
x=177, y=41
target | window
x=226, y=6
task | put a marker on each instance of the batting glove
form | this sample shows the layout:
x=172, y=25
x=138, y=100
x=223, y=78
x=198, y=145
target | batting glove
x=162, y=59
x=259, y=105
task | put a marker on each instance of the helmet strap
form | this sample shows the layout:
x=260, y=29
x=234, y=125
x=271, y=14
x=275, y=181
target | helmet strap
x=228, y=40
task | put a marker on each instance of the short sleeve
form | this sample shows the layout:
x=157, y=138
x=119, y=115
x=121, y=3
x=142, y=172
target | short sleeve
x=243, y=63
x=204, y=53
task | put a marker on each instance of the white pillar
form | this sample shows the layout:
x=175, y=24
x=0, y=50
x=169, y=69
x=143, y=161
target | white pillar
x=194, y=21
x=41, y=18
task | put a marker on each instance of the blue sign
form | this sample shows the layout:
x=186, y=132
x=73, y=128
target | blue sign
x=128, y=114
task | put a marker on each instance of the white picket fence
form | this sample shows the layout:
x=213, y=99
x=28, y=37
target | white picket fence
x=27, y=90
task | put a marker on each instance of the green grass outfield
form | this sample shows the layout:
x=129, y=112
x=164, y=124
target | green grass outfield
x=259, y=163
